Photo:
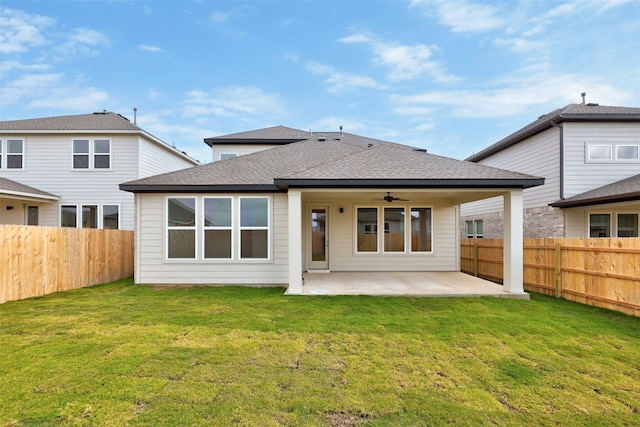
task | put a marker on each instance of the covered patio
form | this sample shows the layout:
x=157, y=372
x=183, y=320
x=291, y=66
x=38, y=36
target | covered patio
x=417, y=284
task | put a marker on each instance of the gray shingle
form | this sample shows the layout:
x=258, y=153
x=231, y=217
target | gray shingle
x=8, y=185
x=620, y=191
x=95, y=121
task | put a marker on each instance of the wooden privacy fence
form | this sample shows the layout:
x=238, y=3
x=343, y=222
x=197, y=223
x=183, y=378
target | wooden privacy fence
x=35, y=261
x=604, y=272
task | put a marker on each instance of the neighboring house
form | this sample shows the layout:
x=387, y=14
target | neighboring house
x=322, y=202
x=65, y=171
x=589, y=156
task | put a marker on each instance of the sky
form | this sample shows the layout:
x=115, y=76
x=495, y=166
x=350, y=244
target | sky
x=452, y=77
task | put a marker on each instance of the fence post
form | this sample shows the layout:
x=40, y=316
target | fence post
x=475, y=257
x=558, y=269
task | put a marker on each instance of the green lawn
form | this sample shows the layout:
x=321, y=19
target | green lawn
x=119, y=354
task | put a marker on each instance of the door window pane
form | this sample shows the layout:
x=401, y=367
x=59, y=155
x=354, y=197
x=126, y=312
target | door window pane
x=394, y=229
x=32, y=215
x=421, y=229
x=110, y=214
x=599, y=225
x=318, y=234
x=367, y=226
x=627, y=225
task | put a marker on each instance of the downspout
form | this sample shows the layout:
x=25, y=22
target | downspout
x=561, y=130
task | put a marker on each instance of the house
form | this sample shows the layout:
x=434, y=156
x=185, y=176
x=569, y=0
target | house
x=65, y=171
x=589, y=155
x=330, y=201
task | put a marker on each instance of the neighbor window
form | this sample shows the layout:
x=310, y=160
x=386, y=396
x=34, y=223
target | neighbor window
x=599, y=225
x=217, y=218
x=89, y=154
x=111, y=216
x=599, y=153
x=69, y=216
x=628, y=225
x=32, y=215
x=89, y=216
x=627, y=152
x=421, y=230
x=394, y=229
x=474, y=228
x=225, y=156
x=181, y=227
x=254, y=227
x=367, y=229
x=14, y=154
x=607, y=153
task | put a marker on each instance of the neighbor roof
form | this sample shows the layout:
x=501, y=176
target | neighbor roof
x=105, y=120
x=13, y=188
x=621, y=191
x=570, y=113
x=333, y=160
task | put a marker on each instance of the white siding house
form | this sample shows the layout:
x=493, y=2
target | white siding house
x=578, y=149
x=73, y=166
x=322, y=202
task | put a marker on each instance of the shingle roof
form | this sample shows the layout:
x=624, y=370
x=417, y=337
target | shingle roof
x=621, y=191
x=271, y=135
x=97, y=121
x=570, y=113
x=8, y=186
x=349, y=161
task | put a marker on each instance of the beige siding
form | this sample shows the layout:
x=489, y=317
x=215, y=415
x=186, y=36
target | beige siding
x=238, y=149
x=582, y=176
x=538, y=156
x=578, y=222
x=153, y=268
x=156, y=159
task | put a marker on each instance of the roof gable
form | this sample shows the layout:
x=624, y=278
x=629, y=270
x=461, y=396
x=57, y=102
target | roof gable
x=570, y=113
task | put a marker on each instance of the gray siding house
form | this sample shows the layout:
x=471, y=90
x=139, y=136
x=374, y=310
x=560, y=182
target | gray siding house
x=589, y=155
x=315, y=202
x=65, y=170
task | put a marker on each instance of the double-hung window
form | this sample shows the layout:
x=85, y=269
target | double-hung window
x=181, y=227
x=90, y=216
x=254, y=227
x=91, y=154
x=12, y=154
x=218, y=217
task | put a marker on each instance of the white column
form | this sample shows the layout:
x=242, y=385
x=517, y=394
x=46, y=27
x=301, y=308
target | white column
x=513, y=242
x=295, y=242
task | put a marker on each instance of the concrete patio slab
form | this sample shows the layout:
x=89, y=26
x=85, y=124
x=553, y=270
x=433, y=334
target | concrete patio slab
x=417, y=284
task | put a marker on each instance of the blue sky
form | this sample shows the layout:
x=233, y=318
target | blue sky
x=449, y=76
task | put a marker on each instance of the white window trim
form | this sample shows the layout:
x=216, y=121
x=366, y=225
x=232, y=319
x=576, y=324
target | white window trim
x=381, y=236
x=101, y=217
x=267, y=227
x=77, y=213
x=231, y=228
x=92, y=155
x=611, y=218
x=404, y=232
x=4, y=153
x=587, y=153
x=617, y=219
x=615, y=153
x=168, y=228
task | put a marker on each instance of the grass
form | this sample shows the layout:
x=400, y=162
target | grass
x=119, y=354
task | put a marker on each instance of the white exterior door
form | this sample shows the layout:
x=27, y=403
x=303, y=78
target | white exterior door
x=318, y=238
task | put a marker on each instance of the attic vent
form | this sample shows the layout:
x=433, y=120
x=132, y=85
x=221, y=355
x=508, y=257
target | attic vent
x=592, y=104
x=369, y=145
x=420, y=150
x=322, y=138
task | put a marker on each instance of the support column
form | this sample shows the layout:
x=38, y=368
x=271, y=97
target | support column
x=295, y=242
x=513, y=242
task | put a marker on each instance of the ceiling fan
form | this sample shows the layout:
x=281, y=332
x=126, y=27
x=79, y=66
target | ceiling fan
x=389, y=198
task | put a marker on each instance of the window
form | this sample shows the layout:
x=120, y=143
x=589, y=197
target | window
x=69, y=216
x=32, y=215
x=627, y=152
x=254, y=227
x=599, y=225
x=217, y=218
x=421, y=230
x=15, y=154
x=181, y=227
x=475, y=229
x=394, y=229
x=599, y=153
x=367, y=229
x=94, y=154
x=225, y=156
x=628, y=225
x=111, y=217
x=89, y=216
x=469, y=227
x=479, y=228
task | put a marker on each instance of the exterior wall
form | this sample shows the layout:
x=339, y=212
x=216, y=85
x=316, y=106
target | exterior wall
x=153, y=268
x=156, y=159
x=238, y=149
x=539, y=223
x=342, y=236
x=48, y=166
x=581, y=176
x=578, y=218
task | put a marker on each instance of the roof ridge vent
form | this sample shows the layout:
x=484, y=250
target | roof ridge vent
x=592, y=104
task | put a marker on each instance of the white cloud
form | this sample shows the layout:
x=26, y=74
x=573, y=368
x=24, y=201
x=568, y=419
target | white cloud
x=233, y=101
x=339, y=81
x=462, y=16
x=148, y=48
x=82, y=41
x=405, y=62
x=20, y=31
x=7, y=66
